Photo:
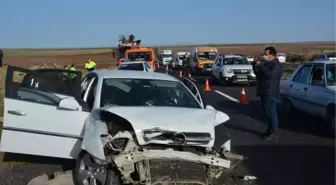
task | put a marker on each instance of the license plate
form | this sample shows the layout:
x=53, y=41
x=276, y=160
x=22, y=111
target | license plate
x=241, y=80
x=241, y=77
x=209, y=69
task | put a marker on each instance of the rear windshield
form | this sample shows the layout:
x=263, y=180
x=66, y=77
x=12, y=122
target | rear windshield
x=135, y=67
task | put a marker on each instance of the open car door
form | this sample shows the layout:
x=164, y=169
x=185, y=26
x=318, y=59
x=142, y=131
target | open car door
x=193, y=88
x=43, y=113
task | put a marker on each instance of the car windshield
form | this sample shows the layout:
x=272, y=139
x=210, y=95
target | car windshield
x=147, y=55
x=134, y=66
x=330, y=73
x=281, y=55
x=146, y=92
x=235, y=61
x=166, y=55
x=181, y=57
x=207, y=55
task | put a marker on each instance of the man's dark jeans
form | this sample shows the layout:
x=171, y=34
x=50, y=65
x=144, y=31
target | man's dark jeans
x=269, y=104
x=0, y=62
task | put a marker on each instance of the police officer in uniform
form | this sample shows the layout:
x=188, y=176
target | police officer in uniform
x=90, y=65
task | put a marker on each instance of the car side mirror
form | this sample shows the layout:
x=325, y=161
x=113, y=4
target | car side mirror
x=69, y=103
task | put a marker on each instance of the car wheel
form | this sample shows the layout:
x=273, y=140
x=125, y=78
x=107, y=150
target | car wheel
x=331, y=119
x=222, y=81
x=88, y=172
x=213, y=79
x=287, y=108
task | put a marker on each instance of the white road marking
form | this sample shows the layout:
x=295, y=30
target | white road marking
x=227, y=96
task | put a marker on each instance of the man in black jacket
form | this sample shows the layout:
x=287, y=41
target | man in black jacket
x=268, y=75
x=1, y=56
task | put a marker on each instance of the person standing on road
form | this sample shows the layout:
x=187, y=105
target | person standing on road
x=90, y=65
x=1, y=56
x=186, y=64
x=268, y=75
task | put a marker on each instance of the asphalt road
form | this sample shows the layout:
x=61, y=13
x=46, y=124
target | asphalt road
x=304, y=153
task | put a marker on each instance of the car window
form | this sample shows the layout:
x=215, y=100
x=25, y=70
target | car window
x=147, y=65
x=331, y=74
x=303, y=73
x=92, y=92
x=218, y=62
x=146, y=92
x=317, y=76
x=85, y=84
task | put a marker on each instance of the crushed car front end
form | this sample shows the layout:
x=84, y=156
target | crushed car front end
x=164, y=156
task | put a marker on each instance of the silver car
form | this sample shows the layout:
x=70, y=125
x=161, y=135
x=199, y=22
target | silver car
x=230, y=69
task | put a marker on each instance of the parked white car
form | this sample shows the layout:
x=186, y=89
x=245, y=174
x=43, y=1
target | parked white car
x=135, y=66
x=250, y=59
x=229, y=69
x=312, y=89
x=116, y=123
x=326, y=56
x=281, y=57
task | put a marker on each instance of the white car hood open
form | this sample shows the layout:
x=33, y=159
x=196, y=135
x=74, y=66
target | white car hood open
x=171, y=119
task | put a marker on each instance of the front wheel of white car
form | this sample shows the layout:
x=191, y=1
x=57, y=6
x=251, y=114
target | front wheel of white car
x=89, y=172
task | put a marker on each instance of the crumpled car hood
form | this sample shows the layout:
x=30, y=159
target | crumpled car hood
x=170, y=118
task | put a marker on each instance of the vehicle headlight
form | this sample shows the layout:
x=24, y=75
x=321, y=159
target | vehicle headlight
x=229, y=70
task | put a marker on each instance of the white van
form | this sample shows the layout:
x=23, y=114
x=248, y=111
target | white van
x=178, y=58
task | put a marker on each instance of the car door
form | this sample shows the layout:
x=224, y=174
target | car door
x=297, y=88
x=317, y=96
x=194, y=90
x=34, y=122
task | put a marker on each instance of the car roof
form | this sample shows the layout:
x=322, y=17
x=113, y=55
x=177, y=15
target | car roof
x=133, y=62
x=321, y=62
x=232, y=56
x=105, y=73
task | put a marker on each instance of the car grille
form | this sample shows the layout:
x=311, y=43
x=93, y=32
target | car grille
x=175, y=172
x=241, y=71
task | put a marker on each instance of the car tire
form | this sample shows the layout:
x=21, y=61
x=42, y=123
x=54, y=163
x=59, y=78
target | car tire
x=287, y=109
x=221, y=80
x=110, y=176
x=331, y=120
x=213, y=79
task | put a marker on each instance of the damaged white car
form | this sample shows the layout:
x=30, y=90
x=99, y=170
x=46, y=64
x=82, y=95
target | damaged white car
x=122, y=127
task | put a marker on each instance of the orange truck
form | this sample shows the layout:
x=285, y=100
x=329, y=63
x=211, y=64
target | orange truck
x=202, y=59
x=145, y=53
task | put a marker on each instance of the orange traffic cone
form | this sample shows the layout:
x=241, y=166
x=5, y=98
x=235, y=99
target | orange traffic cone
x=166, y=67
x=207, y=86
x=181, y=76
x=243, y=100
x=158, y=65
x=154, y=67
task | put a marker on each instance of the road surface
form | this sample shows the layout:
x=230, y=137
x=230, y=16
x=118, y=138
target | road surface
x=304, y=154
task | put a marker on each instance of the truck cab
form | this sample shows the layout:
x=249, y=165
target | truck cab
x=166, y=57
x=202, y=59
x=145, y=53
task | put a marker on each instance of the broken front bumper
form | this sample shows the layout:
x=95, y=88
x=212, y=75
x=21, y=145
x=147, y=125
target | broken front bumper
x=169, y=166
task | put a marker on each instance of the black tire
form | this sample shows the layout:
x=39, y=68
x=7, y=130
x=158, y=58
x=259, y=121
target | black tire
x=331, y=120
x=287, y=110
x=221, y=80
x=112, y=177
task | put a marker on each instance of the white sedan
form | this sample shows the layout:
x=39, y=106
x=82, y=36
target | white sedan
x=116, y=123
x=312, y=89
x=135, y=66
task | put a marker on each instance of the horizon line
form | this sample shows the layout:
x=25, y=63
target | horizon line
x=170, y=45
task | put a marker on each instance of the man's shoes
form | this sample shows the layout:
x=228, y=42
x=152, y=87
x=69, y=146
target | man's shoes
x=270, y=136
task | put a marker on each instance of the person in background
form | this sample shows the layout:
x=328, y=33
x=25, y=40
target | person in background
x=269, y=74
x=90, y=65
x=1, y=56
x=72, y=67
x=65, y=67
x=186, y=64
